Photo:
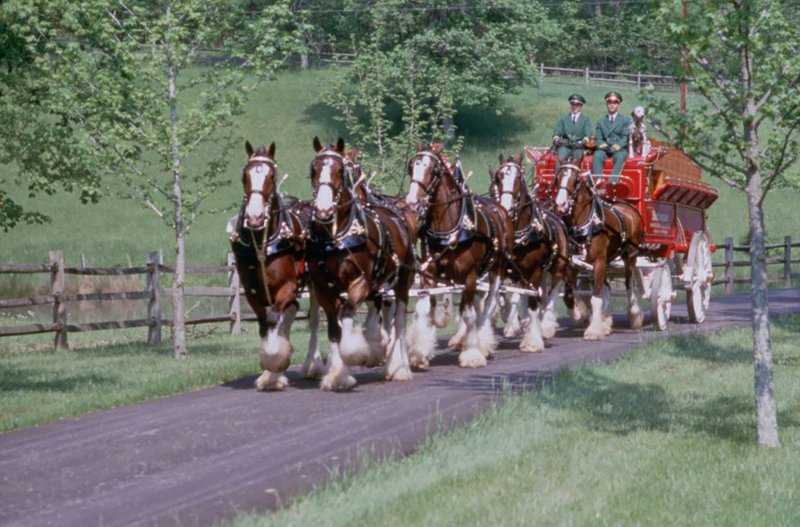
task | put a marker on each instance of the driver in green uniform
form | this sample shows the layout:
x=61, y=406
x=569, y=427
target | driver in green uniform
x=572, y=131
x=612, y=137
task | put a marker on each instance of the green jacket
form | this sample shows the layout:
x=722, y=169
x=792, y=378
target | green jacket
x=579, y=131
x=615, y=133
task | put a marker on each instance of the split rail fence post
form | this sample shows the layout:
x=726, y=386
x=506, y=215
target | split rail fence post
x=787, y=261
x=234, y=302
x=154, y=299
x=639, y=81
x=729, y=266
x=586, y=76
x=59, y=299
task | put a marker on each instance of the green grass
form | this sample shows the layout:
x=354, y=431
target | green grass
x=664, y=436
x=100, y=372
x=289, y=112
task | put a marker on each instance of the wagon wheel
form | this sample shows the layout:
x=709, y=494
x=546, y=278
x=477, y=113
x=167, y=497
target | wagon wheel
x=661, y=296
x=698, y=292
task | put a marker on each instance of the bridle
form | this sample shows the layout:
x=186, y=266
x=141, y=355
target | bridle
x=436, y=176
x=336, y=192
x=498, y=192
x=273, y=168
x=561, y=182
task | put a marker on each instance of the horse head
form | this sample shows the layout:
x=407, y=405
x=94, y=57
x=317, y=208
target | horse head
x=569, y=183
x=329, y=178
x=425, y=169
x=508, y=184
x=258, y=180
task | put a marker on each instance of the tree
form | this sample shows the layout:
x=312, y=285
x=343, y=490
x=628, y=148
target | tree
x=421, y=62
x=128, y=93
x=743, y=60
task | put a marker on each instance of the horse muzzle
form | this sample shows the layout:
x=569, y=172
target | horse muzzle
x=254, y=221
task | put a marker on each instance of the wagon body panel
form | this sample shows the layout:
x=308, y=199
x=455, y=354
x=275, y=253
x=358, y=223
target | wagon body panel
x=667, y=189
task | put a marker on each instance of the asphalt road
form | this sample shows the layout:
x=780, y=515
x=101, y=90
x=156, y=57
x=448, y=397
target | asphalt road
x=198, y=458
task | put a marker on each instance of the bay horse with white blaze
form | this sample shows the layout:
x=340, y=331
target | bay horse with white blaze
x=357, y=253
x=268, y=243
x=463, y=237
x=601, y=231
x=541, y=246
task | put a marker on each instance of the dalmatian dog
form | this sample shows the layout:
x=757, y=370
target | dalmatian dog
x=638, y=145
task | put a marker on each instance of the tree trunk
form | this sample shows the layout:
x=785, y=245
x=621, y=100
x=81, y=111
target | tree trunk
x=766, y=415
x=178, y=308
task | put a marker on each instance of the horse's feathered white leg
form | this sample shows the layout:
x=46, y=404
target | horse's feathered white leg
x=421, y=336
x=374, y=334
x=275, y=352
x=388, y=333
x=512, y=328
x=635, y=315
x=443, y=311
x=353, y=346
x=608, y=321
x=533, y=342
x=338, y=377
x=472, y=356
x=398, y=367
x=596, y=331
x=549, y=319
x=486, y=339
x=314, y=366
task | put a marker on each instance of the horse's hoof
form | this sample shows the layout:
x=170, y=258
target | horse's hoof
x=593, y=335
x=531, y=346
x=636, y=320
x=549, y=327
x=419, y=363
x=271, y=381
x=333, y=384
x=314, y=370
x=400, y=374
x=472, y=358
x=455, y=343
x=608, y=322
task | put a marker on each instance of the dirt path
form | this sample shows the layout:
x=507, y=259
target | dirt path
x=198, y=458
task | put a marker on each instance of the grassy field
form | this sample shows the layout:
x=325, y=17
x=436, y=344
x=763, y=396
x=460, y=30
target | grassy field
x=289, y=112
x=664, y=436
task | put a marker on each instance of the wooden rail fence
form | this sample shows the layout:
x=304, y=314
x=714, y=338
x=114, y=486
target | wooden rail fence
x=153, y=293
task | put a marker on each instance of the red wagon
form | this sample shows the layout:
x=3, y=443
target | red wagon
x=667, y=189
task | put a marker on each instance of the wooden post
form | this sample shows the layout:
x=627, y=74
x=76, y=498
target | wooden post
x=154, y=302
x=57, y=288
x=586, y=76
x=639, y=80
x=729, y=266
x=234, y=302
x=541, y=69
x=787, y=261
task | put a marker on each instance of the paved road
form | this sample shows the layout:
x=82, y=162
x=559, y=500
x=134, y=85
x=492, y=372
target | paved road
x=197, y=458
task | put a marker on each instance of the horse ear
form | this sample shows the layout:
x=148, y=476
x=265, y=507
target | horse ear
x=248, y=148
x=317, y=144
x=340, y=145
x=501, y=158
x=518, y=159
x=436, y=148
x=271, y=150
